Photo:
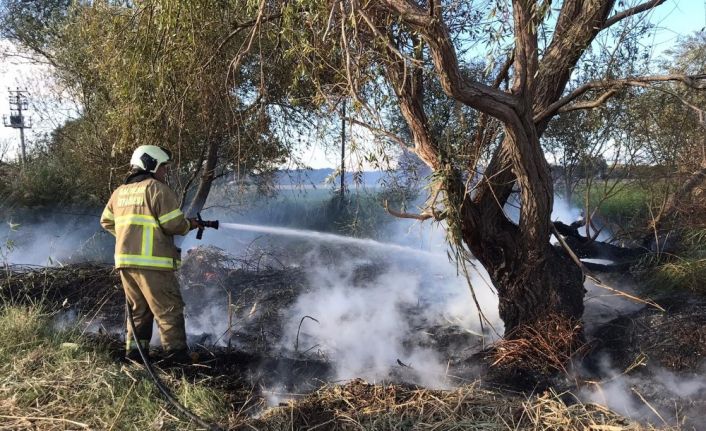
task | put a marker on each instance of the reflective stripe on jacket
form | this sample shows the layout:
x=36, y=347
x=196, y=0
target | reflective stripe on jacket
x=144, y=217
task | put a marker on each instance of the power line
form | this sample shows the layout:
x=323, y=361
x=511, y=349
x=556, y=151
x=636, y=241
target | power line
x=18, y=103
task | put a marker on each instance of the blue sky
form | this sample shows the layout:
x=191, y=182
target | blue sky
x=675, y=18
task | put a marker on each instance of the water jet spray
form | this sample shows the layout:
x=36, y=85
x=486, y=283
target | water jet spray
x=322, y=236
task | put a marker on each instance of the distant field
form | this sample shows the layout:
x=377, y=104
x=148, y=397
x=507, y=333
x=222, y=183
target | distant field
x=621, y=202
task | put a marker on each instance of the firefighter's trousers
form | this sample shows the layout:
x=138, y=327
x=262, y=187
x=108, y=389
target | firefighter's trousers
x=154, y=295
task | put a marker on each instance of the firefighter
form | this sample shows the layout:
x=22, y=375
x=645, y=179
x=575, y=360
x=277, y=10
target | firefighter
x=144, y=216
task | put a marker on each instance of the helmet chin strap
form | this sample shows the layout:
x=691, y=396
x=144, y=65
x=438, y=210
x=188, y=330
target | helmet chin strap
x=137, y=175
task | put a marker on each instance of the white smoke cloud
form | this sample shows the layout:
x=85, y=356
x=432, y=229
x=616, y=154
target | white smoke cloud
x=565, y=212
x=53, y=241
x=652, y=395
x=366, y=327
x=361, y=328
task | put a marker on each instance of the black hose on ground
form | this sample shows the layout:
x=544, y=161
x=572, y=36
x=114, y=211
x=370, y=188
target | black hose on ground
x=158, y=382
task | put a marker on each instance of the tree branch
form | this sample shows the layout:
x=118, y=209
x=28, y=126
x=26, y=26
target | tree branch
x=386, y=40
x=483, y=138
x=590, y=104
x=235, y=63
x=243, y=26
x=238, y=28
x=504, y=71
x=381, y=131
x=407, y=84
x=693, y=81
x=426, y=215
x=435, y=33
x=630, y=12
x=578, y=24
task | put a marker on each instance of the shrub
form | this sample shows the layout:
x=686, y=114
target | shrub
x=685, y=269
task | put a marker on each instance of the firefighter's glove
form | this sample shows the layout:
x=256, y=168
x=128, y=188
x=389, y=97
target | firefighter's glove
x=195, y=224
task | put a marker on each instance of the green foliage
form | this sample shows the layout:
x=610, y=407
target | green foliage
x=171, y=73
x=49, y=180
x=57, y=173
x=34, y=24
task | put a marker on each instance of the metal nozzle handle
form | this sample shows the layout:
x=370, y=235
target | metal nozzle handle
x=213, y=224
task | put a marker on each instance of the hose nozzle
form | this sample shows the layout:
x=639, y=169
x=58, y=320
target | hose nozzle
x=213, y=224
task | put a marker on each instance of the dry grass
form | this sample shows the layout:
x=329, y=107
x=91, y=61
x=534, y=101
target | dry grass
x=359, y=405
x=57, y=380
x=545, y=347
x=52, y=380
x=362, y=406
x=548, y=412
x=89, y=288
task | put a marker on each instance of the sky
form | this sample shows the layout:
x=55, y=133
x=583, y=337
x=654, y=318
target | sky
x=675, y=18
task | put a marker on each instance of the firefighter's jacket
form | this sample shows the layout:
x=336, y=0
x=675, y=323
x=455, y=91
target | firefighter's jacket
x=144, y=216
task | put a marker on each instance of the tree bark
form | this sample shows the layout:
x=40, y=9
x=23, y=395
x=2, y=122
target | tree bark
x=204, y=188
x=533, y=279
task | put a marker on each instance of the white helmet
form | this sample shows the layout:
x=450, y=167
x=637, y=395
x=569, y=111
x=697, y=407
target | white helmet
x=150, y=157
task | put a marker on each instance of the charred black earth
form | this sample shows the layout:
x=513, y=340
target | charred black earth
x=647, y=350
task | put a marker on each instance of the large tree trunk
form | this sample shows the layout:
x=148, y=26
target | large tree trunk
x=534, y=280
x=530, y=291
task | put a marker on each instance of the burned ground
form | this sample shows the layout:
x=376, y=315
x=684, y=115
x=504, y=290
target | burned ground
x=246, y=356
x=674, y=339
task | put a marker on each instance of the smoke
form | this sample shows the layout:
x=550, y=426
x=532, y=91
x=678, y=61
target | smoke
x=374, y=304
x=652, y=395
x=54, y=239
x=381, y=313
x=368, y=327
x=369, y=308
x=361, y=327
x=564, y=212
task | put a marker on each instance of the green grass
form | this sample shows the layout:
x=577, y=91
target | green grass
x=685, y=270
x=627, y=205
x=60, y=380
x=685, y=273
x=628, y=208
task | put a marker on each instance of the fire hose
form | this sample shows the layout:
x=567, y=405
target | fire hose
x=148, y=365
x=158, y=382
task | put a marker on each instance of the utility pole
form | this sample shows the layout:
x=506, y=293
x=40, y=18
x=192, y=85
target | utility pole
x=343, y=151
x=18, y=104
